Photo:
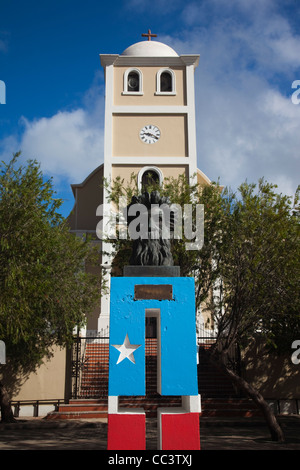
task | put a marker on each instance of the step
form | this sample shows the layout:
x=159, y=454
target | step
x=88, y=401
x=82, y=408
x=92, y=408
x=228, y=412
x=77, y=415
x=229, y=403
x=229, y=407
x=92, y=378
x=87, y=409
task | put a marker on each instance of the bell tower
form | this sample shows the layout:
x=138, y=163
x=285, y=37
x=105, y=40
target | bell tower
x=149, y=111
x=149, y=118
x=150, y=131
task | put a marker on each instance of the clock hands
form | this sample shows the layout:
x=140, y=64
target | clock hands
x=148, y=134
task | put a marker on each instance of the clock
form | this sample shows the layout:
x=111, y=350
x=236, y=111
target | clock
x=150, y=134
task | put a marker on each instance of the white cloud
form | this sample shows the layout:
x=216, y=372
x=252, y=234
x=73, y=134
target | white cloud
x=68, y=145
x=247, y=127
x=246, y=132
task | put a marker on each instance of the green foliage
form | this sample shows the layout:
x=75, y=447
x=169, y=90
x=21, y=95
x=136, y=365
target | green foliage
x=45, y=291
x=258, y=263
x=247, y=271
x=179, y=191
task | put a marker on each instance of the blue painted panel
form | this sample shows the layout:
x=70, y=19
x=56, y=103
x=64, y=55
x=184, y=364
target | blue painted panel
x=178, y=341
x=178, y=337
x=126, y=318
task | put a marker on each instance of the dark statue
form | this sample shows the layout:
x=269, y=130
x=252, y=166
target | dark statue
x=150, y=222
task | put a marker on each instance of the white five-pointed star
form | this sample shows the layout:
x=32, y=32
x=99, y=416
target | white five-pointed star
x=126, y=350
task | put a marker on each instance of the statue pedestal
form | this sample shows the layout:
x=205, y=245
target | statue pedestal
x=151, y=271
x=126, y=431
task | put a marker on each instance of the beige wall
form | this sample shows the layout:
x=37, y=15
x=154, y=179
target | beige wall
x=88, y=196
x=127, y=142
x=168, y=171
x=274, y=375
x=48, y=382
x=202, y=178
x=149, y=88
x=89, y=193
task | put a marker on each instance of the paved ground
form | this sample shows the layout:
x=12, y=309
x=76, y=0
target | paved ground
x=216, y=434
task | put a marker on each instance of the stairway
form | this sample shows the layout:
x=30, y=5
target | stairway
x=81, y=409
x=94, y=375
x=211, y=407
x=230, y=407
x=218, y=396
x=211, y=382
x=95, y=364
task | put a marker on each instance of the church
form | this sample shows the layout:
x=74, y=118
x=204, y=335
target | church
x=150, y=128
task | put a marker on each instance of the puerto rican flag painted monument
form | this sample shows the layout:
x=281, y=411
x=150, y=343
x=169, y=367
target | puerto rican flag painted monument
x=150, y=129
x=173, y=303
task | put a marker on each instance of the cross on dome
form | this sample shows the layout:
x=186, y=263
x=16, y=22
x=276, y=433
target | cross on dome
x=149, y=35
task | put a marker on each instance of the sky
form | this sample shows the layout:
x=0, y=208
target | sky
x=247, y=111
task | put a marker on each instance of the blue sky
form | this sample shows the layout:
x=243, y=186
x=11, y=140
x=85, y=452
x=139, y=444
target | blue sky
x=247, y=124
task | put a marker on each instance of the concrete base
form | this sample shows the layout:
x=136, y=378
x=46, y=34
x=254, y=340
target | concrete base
x=179, y=431
x=126, y=432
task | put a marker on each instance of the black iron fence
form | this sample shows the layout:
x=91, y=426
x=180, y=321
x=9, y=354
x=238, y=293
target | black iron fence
x=90, y=362
x=89, y=365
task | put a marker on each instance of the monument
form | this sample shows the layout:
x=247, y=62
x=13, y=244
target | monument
x=153, y=287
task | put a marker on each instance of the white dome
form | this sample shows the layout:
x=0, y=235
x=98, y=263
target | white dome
x=149, y=49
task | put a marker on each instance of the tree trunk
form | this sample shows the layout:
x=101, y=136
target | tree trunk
x=272, y=423
x=5, y=406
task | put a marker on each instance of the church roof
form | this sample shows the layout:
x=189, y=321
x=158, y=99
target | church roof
x=149, y=49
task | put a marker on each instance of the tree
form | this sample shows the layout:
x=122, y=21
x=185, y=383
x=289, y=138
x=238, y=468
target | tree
x=45, y=290
x=179, y=191
x=258, y=290
x=247, y=271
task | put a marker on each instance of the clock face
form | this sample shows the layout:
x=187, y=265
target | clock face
x=150, y=134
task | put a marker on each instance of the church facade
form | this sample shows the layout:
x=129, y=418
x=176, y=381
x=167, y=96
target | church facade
x=150, y=128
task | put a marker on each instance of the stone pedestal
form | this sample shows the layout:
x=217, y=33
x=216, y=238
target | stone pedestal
x=151, y=271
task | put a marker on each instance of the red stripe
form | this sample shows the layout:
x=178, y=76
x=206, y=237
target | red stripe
x=126, y=432
x=180, y=431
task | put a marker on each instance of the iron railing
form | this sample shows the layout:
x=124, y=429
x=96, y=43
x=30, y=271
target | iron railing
x=90, y=364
